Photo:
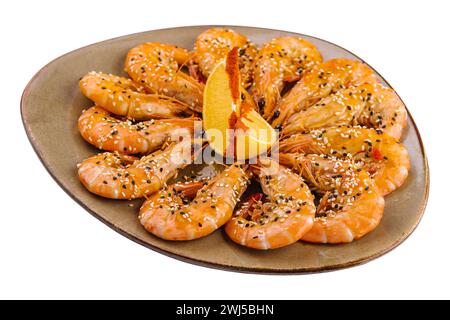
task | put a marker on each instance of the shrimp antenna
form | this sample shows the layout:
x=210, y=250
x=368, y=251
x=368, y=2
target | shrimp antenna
x=192, y=55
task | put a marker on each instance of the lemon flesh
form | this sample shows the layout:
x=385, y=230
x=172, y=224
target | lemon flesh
x=218, y=108
x=258, y=137
x=229, y=132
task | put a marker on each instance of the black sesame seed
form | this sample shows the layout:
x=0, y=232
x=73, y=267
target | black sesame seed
x=261, y=104
x=276, y=114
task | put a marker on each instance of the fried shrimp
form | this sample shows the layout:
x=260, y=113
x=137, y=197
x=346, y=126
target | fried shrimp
x=280, y=61
x=124, y=97
x=350, y=205
x=213, y=45
x=156, y=66
x=117, y=176
x=285, y=217
x=105, y=132
x=321, y=81
x=385, y=159
x=370, y=105
x=170, y=215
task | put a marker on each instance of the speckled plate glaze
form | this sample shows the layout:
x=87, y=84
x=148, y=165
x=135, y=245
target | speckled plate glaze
x=50, y=107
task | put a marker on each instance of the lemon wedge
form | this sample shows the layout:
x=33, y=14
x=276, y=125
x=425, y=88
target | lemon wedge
x=218, y=109
x=257, y=137
x=233, y=127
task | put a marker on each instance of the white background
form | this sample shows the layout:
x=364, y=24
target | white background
x=51, y=248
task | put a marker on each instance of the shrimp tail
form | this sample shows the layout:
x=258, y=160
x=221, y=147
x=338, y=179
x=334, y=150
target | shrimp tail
x=248, y=205
x=189, y=189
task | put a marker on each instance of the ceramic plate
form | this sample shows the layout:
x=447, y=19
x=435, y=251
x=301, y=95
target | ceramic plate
x=52, y=103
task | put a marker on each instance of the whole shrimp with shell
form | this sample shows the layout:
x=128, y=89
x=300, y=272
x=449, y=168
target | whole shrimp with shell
x=124, y=97
x=98, y=127
x=118, y=176
x=284, y=217
x=319, y=82
x=191, y=211
x=350, y=204
x=157, y=67
x=213, y=45
x=280, y=61
x=369, y=105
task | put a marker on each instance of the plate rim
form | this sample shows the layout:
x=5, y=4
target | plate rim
x=220, y=266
